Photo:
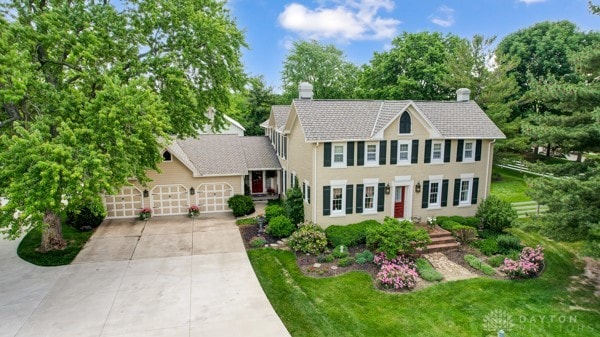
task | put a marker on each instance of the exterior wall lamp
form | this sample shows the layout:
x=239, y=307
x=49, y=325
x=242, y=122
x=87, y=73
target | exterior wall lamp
x=192, y=191
x=146, y=193
x=418, y=187
x=388, y=189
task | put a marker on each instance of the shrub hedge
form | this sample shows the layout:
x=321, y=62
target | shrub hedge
x=241, y=205
x=349, y=235
x=280, y=227
x=476, y=263
x=427, y=272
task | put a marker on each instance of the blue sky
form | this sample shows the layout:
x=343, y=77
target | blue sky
x=362, y=27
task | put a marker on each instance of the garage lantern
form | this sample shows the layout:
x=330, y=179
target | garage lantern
x=146, y=193
x=192, y=191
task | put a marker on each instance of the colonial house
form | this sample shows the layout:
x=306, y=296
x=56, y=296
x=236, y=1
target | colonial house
x=204, y=171
x=368, y=159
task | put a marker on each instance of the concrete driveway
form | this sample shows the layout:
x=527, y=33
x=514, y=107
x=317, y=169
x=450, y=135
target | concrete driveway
x=171, y=276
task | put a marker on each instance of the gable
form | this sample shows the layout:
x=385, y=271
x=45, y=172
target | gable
x=419, y=123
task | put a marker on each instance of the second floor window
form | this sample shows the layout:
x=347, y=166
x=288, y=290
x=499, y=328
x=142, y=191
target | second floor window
x=338, y=154
x=468, y=151
x=371, y=154
x=436, y=153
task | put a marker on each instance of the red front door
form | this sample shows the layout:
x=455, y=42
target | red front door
x=399, y=202
x=257, y=181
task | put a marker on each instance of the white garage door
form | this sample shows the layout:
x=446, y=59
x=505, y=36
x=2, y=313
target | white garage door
x=126, y=204
x=212, y=197
x=169, y=200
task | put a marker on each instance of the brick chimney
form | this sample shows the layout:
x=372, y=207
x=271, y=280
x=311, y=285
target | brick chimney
x=305, y=90
x=463, y=95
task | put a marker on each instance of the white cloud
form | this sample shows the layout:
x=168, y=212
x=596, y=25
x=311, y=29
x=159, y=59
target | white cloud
x=347, y=20
x=531, y=1
x=443, y=16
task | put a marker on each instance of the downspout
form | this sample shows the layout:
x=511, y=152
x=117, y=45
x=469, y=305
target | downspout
x=488, y=169
x=315, y=185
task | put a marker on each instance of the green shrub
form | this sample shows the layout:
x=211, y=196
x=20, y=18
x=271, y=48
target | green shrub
x=427, y=272
x=294, y=204
x=472, y=221
x=476, y=263
x=349, y=235
x=86, y=218
x=310, y=239
x=340, y=252
x=241, y=205
x=365, y=257
x=508, y=243
x=488, y=246
x=323, y=258
x=273, y=211
x=278, y=202
x=280, y=227
x=346, y=261
x=464, y=234
x=496, y=260
x=496, y=214
x=591, y=248
x=394, y=237
x=449, y=224
x=246, y=221
x=257, y=242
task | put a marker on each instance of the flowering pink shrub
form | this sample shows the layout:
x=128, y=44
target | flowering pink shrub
x=529, y=265
x=398, y=273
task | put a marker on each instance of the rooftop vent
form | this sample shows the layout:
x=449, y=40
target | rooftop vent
x=305, y=90
x=463, y=95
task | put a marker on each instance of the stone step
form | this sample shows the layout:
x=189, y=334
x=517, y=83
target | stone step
x=442, y=239
x=442, y=247
x=439, y=233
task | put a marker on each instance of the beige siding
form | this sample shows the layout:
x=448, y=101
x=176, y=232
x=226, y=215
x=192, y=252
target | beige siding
x=387, y=174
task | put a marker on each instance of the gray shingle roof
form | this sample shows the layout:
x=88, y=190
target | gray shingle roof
x=259, y=153
x=280, y=112
x=331, y=120
x=223, y=155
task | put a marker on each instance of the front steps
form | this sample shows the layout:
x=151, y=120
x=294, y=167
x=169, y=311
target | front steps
x=441, y=241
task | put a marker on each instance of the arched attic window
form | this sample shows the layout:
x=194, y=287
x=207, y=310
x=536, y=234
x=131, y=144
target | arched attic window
x=405, y=123
x=167, y=156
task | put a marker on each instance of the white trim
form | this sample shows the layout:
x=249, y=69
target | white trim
x=437, y=204
x=338, y=182
x=408, y=195
x=437, y=177
x=408, y=160
x=467, y=175
x=373, y=209
x=305, y=190
x=469, y=192
x=371, y=181
x=315, y=203
x=343, y=163
x=437, y=160
x=373, y=162
x=402, y=179
x=341, y=212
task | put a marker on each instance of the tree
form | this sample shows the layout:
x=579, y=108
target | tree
x=412, y=69
x=90, y=94
x=323, y=66
x=294, y=203
x=253, y=105
x=473, y=64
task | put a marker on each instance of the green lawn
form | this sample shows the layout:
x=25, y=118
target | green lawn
x=511, y=187
x=75, y=241
x=349, y=305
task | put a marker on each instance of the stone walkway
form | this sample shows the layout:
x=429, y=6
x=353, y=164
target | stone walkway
x=449, y=269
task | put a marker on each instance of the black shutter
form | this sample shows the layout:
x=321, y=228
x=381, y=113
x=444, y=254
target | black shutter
x=326, y=155
x=425, y=199
x=478, y=150
x=447, y=150
x=350, y=157
x=382, y=151
x=459, y=150
x=359, y=197
x=428, y=151
x=284, y=181
x=303, y=189
x=415, y=152
x=456, y=200
x=349, y=201
x=444, y=192
x=380, y=197
x=326, y=200
x=360, y=153
x=394, y=152
x=474, y=191
x=308, y=193
x=285, y=147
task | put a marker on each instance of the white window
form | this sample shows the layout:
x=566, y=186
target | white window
x=371, y=154
x=437, y=152
x=466, y=187
x=468, y=151
x=370, y=198
x=435, y=191
x=404, y=152
x=338, y=199
x=339, y=155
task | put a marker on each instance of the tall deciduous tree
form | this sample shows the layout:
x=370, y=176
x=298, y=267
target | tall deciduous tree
x=412, y=69
x=253, y=106
x=323, y=66
x=87, y=91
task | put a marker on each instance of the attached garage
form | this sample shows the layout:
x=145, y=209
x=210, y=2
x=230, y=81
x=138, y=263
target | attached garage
x=126, y=204
x=212, y=197
x=169, y=199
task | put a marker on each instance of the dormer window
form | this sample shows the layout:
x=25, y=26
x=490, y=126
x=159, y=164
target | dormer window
x=167, y=156
x=405, y=123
